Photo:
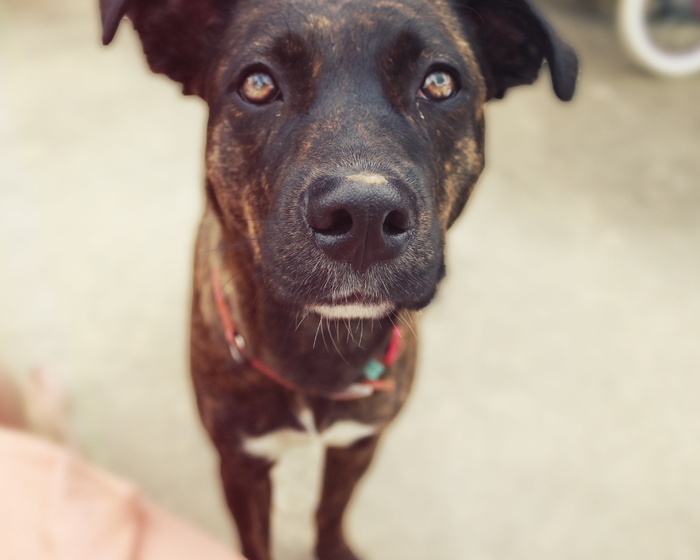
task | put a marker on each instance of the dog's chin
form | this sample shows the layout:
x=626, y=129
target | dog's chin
x=353, y=310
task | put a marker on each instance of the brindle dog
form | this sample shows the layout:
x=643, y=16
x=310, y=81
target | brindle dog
x=344, y=139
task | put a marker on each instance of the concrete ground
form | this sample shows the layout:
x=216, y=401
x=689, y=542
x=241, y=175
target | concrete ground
x=556, y=415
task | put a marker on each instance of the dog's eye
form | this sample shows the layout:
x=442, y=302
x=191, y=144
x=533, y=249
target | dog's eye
x=438, y=86
x=259, y=88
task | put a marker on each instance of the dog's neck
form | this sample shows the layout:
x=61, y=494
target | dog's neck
x=325, y=355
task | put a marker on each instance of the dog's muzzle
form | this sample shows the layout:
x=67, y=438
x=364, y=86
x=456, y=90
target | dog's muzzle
x=347, y=245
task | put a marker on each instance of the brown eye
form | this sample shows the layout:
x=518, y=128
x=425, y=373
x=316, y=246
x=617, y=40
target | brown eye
x=438, y=86
x=259, y=88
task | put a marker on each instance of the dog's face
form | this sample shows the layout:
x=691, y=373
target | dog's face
x=345, y=136
x=345, y=139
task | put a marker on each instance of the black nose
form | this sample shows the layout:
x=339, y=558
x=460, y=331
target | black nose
x=362, y=220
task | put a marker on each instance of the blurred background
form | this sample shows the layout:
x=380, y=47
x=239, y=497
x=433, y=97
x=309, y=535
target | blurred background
x=556, y=413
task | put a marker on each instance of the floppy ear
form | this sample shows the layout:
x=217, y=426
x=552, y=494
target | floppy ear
x=179, y=37
x=513, y=40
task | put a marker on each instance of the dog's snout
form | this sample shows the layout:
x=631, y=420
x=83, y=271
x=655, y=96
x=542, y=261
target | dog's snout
x=359, y=221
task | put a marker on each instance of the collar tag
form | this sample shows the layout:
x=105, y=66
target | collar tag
x=374, y=370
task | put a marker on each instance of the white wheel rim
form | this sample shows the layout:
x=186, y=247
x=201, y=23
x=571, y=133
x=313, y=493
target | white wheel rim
x=632, y=25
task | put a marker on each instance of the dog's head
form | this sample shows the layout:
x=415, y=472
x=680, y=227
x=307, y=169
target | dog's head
x=345, y=136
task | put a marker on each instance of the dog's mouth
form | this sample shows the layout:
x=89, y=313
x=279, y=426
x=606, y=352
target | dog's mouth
x=355, y=305
x=306, y=281
x=352, y=308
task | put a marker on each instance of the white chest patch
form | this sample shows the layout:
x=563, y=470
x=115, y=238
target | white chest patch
x=273, y=445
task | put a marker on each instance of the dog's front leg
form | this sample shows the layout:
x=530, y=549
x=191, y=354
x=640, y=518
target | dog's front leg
x=248, y=491
x=344, y=468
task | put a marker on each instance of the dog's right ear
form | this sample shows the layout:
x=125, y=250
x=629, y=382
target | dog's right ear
x=179, y=37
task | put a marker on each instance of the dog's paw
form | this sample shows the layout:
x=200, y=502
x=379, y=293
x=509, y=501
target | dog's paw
x=336, y=550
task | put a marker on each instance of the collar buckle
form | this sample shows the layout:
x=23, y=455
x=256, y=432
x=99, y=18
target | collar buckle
x=237, y=349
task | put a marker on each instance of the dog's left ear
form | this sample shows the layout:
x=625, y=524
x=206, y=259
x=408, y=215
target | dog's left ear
x=179, y=36
x=513, y=40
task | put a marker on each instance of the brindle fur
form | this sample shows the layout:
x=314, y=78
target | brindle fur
x=349, y=72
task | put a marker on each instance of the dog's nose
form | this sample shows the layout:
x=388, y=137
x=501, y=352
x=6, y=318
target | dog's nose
x=360, y=221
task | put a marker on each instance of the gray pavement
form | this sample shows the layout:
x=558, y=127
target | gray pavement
x=556, y=414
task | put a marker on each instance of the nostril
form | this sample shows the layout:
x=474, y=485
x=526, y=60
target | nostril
x=335, y=223
x=396, y=223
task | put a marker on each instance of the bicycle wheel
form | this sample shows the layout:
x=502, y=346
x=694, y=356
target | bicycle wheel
x=662, y=36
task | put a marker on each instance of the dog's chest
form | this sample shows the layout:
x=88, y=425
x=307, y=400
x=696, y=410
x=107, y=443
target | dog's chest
x=273, y=445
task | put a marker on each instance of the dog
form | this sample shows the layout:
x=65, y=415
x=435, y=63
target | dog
x=344, y=139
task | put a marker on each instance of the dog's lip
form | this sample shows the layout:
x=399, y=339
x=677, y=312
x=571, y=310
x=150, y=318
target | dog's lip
x=353, y=311
x=354, y=298
x=351, y=306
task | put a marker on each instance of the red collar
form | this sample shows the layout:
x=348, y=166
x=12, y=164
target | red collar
x=365, y=388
